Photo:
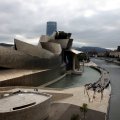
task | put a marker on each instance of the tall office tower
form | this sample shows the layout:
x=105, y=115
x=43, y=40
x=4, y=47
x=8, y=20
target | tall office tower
x=51, y=27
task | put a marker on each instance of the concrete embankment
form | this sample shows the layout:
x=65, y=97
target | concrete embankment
x=111, y=60
x=104, y=80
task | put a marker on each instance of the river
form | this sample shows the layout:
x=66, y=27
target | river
x=114, y=70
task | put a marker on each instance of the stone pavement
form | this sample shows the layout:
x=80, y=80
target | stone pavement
x=67, y=102
x=63, y=111
x=77, y=97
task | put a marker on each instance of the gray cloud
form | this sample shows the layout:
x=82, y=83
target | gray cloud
x=94, y=23
x=101, y=30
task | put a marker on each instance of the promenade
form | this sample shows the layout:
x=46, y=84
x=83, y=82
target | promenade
x=114, y=104
x=67, y=102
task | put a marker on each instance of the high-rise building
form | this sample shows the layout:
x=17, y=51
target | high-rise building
x=51, y=27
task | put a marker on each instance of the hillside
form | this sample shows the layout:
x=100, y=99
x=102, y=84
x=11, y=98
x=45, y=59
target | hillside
x=6, y=45
x=91, y=49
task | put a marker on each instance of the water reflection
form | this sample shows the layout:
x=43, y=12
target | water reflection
x=89, y=76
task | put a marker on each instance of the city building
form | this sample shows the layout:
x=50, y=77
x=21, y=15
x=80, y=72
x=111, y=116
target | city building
x=114, y=54
x=118, y=48
x=35, y=65
x=51, y=27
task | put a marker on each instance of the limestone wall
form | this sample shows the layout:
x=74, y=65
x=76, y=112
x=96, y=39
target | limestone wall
x=34, y=79
x=36, y=112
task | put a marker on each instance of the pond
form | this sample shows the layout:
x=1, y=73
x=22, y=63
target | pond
x=90, y=75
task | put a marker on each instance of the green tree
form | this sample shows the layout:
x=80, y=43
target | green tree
x=82, y=57
x=84, y=109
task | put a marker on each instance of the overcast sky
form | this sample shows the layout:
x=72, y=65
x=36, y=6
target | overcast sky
x=91, y=22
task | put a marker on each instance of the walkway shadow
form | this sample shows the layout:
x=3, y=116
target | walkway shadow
x=64, y=111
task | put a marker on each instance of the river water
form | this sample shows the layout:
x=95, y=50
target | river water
x=114, y=70
x=89, y=76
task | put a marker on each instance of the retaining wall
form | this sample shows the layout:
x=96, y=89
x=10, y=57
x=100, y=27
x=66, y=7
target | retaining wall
x=34, y=79
x=36, y=112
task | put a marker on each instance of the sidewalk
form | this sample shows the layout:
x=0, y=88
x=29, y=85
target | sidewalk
x=61, y=111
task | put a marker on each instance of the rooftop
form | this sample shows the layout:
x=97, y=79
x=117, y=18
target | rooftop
x=75, y=51
x=21, y=100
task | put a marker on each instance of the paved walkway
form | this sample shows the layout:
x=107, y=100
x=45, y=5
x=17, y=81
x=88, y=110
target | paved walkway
x=65, y=111
x=90, y=64
x=77, y=97
x=68, y=101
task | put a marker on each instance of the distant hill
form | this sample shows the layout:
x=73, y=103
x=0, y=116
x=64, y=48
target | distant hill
x=6, y=45
x=91, y=49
